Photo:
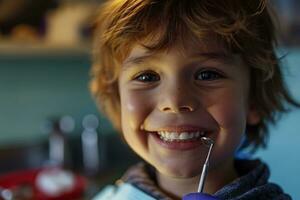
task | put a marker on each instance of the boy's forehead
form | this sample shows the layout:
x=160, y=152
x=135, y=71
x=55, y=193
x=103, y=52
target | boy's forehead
x=186, y=44
x=190, y=49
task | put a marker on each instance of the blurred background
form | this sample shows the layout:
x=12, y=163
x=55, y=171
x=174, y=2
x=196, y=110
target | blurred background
x=48, y=118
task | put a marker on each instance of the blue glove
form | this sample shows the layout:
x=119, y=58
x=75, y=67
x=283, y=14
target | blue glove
x=198, y=196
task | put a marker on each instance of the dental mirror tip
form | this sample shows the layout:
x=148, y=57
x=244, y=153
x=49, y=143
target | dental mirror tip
x=207, y=141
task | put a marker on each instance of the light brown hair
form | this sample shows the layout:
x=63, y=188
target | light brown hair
x=244, y=27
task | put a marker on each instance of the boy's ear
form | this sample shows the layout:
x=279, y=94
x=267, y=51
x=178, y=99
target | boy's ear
x=253, y=117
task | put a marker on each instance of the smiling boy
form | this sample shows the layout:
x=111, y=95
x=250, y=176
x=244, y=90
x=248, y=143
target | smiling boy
x=169, y=72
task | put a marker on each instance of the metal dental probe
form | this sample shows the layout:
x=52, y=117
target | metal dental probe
x=208, y=142
x=199, y=195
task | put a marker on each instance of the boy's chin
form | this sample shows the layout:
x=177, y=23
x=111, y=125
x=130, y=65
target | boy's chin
x=176, y=172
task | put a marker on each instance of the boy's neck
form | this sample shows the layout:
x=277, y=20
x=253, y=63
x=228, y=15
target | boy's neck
x=215, y=180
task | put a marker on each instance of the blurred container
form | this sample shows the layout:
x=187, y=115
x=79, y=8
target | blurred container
x=66, y=24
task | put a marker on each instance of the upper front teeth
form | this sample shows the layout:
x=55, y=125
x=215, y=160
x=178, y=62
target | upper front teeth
x=180, y=136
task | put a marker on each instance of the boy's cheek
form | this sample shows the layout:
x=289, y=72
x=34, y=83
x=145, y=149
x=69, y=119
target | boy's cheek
x=134, y=109
x=230, y=114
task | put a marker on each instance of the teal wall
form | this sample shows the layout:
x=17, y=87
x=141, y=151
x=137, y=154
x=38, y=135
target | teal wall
x=34, y=88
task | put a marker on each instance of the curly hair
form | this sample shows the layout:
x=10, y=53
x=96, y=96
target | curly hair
x=244, y=27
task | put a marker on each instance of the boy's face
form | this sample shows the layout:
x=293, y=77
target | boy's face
x=170, y=99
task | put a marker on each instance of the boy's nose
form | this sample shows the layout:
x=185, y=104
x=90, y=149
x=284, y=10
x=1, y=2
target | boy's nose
x=178, y=109
x=178, y=101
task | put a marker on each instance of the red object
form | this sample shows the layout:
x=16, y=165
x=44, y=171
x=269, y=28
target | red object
x=28, y=177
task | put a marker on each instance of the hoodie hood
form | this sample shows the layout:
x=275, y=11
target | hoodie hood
x=252, y=182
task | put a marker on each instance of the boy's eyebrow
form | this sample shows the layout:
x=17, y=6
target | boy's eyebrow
x=203, y=56
x=138, y=59
x=218, y=56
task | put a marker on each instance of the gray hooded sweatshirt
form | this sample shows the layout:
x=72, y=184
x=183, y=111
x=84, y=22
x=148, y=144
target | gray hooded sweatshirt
x=252, y=184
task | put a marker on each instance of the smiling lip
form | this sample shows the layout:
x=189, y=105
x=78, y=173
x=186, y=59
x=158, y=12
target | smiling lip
x=178, y=144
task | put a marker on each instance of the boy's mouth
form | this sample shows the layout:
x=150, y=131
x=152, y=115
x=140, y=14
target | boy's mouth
x=168, y=136
x=179, y=140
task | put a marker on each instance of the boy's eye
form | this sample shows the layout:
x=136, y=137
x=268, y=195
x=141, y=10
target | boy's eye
x=147, y=77
x=208, y=75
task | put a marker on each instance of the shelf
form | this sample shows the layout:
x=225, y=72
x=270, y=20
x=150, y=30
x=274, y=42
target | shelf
x=24, y=49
